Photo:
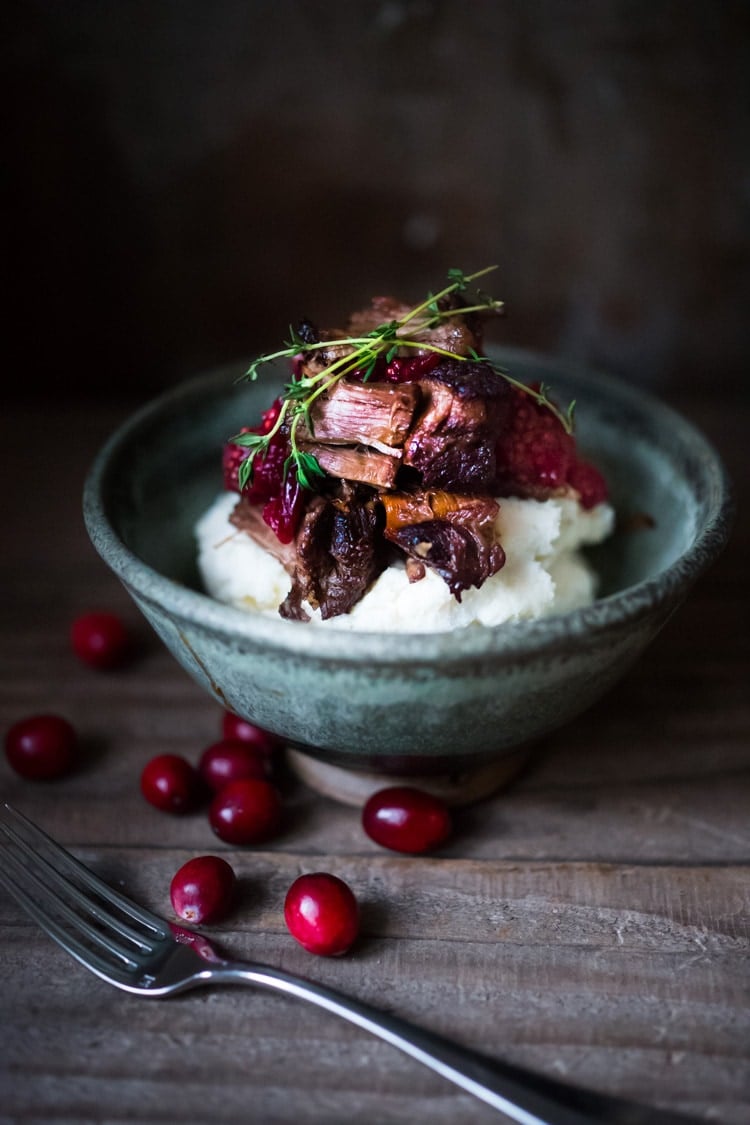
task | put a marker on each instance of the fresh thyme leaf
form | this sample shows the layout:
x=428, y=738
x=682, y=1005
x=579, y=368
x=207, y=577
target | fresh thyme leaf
x=245, y=471
x=298, y=390
x=306, y=465
x=458, y=280
x=369, y=369
x=540, y=396
x=254, y=442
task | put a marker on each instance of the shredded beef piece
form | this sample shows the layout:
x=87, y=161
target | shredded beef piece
x=315, y=361
x=376, y=414
x=405, y=508
x=460, y=334
x=452, y=534
x=453, y=442
x=362, y=465
x=248, y=517
x=458, y=553
x=352, y=418
x=339, y=554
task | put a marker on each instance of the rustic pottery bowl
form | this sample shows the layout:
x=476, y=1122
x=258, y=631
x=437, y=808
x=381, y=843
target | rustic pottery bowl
x=414, y=704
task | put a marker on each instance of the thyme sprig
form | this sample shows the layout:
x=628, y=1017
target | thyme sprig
x=363, y=352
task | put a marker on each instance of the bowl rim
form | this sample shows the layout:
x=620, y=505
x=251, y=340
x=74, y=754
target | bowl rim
x=510, y=641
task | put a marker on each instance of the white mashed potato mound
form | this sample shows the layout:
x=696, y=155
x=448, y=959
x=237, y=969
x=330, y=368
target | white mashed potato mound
x=544, y=572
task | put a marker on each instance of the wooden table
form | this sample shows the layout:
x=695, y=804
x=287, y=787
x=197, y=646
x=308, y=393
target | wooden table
x=591, y=921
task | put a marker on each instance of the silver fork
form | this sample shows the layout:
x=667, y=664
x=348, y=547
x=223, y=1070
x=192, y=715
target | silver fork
x=138, y=951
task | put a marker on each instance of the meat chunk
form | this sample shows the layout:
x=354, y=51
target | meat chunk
x=452, y=534
x=339, y=554
x=318, y=359
x=459, y=554
x=365, y=466
x=453, y=442
x=248, y=517
x=375, y=414
x=457, y=333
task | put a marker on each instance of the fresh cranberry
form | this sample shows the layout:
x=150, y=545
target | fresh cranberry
x=202, y=889
x=274, y=483
x=41, y=747
x=406, y=819
x=589, y=483
x=235, y=728
x=267, y=467
x=406, y=369
x=100, y=639
x=283, y=511
x=170, y=783
x=372, y=373
x=534, y=453
x=245, y=811
x=227, y=760
x=321, y=912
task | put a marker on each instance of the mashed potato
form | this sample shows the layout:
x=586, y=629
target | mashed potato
x=544, y=572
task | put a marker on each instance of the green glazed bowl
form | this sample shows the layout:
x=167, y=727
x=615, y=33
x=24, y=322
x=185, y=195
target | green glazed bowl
x=410, y=704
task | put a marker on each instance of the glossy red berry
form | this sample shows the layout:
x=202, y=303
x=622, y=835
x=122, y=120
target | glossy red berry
x=170, y=783
x=245, y=811
x=41, y=747
x=230, y=759
x=406, y=369
x=321, y=912
x=405, y=819
x=535, y=453
x=589, y=483
x=202, y=889
x=100, y=640
x=233, y=727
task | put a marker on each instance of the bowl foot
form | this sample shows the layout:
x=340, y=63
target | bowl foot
x=353, y=787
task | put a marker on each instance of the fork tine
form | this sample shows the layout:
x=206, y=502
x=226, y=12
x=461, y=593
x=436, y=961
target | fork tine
x=62, y=935
x=34, y=839
x=58, y=892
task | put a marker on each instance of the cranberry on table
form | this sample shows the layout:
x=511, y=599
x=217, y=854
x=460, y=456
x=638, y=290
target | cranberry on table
x=41, y=747
x=170, y=783
x=406, y=819
x=100, y=640
x=322, y=914
x=245, y=811
x=202, y=889
x=229, y=760
x=235, y=728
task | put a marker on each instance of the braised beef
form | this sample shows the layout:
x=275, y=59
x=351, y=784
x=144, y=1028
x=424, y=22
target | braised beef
x=339, y=554
x=248, y=517
x=376, y=414
x=318, y=359
x=459, y=554
x=363, y=465
x=458, y=333
x=453, y=442
x=421, y=505
x=452, y=534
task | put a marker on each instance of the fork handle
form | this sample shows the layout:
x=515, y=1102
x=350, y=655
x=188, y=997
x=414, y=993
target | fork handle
x=523, y=1096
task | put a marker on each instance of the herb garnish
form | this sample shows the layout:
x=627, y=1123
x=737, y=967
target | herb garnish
x=386, y=341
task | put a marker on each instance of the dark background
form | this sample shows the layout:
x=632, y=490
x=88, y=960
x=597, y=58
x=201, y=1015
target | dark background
x=187, y=178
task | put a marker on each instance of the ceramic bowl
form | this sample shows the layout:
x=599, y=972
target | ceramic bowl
x=413, y=704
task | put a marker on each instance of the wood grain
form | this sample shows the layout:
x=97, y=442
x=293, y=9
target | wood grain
x=590, y=922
